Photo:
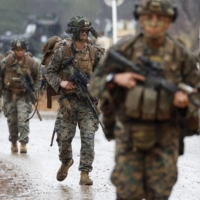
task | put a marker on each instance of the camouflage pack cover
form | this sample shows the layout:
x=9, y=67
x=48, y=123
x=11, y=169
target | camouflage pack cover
x=19, y=44
x=162, y=7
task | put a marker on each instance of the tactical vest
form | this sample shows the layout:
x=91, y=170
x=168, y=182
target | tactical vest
x=85, y=61
x=148, y=104
x=12, y=74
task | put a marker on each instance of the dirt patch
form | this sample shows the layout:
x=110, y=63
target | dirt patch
x=12, y=183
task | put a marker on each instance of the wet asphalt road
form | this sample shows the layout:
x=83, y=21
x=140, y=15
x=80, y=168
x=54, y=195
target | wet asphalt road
x=36, y=170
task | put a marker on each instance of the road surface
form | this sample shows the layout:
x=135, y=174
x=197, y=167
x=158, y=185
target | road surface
x=33, y=175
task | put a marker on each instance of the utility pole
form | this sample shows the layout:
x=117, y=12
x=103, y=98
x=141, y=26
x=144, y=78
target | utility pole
x=114, y=4
x=114, y=20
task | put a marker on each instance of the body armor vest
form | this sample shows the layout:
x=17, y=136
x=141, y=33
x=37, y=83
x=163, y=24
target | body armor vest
x=14, y=70
x=84, y=60
x=147, y=103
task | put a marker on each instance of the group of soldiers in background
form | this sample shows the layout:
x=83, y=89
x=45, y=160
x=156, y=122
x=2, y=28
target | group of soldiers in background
x=140, y=111
x=73, y=109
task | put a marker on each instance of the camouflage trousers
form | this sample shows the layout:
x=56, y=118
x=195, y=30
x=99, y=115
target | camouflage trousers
x=17, y=110
x=66, y=129
x=147, y=175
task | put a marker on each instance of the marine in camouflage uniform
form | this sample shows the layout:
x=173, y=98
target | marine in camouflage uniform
x=144, y=121
x=1, y=56
x=73, y=110
x=17, y=104
x=1, y=100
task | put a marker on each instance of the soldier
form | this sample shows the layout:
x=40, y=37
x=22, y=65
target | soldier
x=144, y=120
x=17, y=103
x=1, y=56
x=72, y=109
x=1, y=100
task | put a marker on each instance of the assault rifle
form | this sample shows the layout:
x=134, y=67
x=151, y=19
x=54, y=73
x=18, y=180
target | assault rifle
x=27, y=84
x=81, y=81
x=153, y=74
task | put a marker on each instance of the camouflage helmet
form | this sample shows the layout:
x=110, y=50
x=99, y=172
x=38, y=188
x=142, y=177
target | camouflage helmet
x=162, y=7
x=19, y=44
x=76, y=24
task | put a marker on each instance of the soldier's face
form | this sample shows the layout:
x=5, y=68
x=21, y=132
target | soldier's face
x=153, y=25
x=19, y=53
x=83, y=35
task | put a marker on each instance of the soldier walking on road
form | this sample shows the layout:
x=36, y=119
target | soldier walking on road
x=1, y=100
x=1, y=56
x=17, y=103
x=143, y=119
x=74, y=110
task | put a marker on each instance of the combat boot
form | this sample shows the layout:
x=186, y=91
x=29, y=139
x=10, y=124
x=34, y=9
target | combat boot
x=63, y=171
x=23, y=148
x=14, y=147
x=85, y=179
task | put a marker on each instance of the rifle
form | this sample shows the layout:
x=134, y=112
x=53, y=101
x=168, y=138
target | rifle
x=81, y=81
x=153, y=74
x=27, y=84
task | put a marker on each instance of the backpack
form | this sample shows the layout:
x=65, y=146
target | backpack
x=49, y=47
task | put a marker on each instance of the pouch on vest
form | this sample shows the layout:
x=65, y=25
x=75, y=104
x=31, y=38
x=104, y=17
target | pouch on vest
x=132, y=103
x=65, y=107
x=108, y=118
x=164, y=105
x=119, y=131
x=192, y=126
x=149, y=104
x=144, y=137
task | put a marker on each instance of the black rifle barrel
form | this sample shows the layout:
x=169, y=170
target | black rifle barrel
x=153, y=76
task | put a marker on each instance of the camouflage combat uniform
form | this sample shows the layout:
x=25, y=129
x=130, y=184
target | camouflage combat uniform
x=145, y=128
x=1, y=100
x=1, y=56
x=17, y=105
x=79, y=112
